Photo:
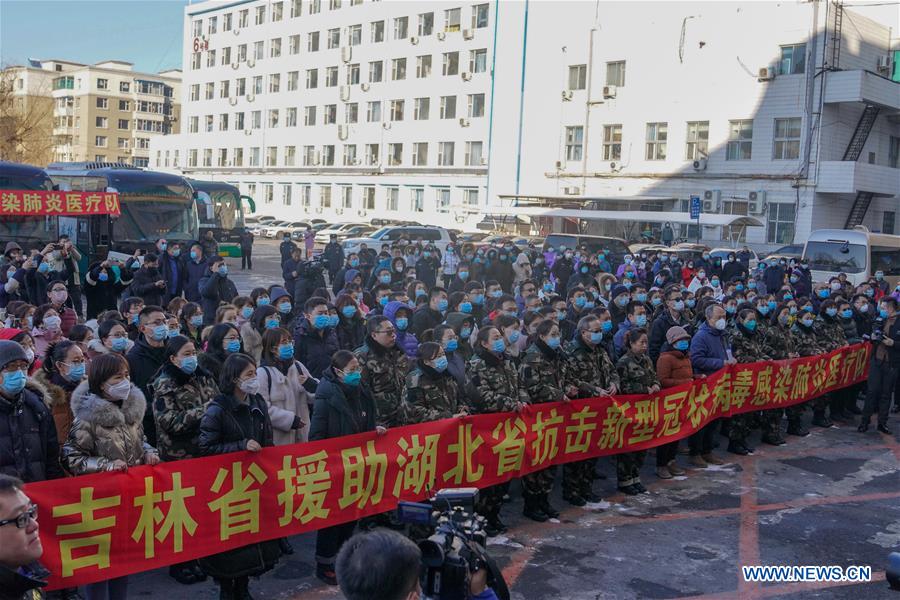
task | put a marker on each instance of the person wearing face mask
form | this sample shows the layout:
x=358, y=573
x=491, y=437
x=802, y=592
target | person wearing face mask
x=449, y=265
x=339, y=279
x=58, y=299
x=47, y=329
x=863, y=316
x=843, y=401
x=384, y=369
x=592, y=373
x=148, y=283
x=284, y=305
x=544, y=377
x=748, y=345
x=263, y=318
x=733, y=268
x=215, y=288
x=351, y=329
x=563, y=267
x=342, y=407
x=636, y=318
x=808, y=343
x=315, y=340
x=191, y=322
x=146, y=357
x=429, y=316
x=804, y=284
x=511, y=328
x=111, y=337
x=673, y=368
x=672, y=315
x=830, y=334
x=620, y=297
x=884, y=366
x=427, y=266
x=292, y=268
x=399, y=314
x=222, y=341
x=29, y=446
x=106, y=436
x=432, y=393
x=63, y=369
x=287, y=388
x=780, y=344
x=237, y=419
x=105, y=282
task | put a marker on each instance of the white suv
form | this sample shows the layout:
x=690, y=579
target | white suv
x=437, y=236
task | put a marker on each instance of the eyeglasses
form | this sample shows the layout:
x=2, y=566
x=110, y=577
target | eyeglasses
x=388, y=331
x=22, y=520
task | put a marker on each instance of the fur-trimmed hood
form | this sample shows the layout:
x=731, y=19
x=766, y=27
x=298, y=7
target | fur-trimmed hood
x=54, y=395
x=94, y=409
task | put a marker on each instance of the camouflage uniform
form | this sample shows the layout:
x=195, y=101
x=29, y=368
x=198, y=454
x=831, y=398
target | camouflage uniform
x=590, y=371
x=543, y=376
x=493, y=387
x=638, y=376
x=780, y=344
x=831, y=337
x=808, y=343
x=430, y=396
x=748, y=348
x=384, y=375
x=179, y=402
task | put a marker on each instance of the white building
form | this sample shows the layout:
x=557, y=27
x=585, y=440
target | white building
x=356, y=110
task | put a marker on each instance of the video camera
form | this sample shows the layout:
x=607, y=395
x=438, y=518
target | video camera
x=456, y=548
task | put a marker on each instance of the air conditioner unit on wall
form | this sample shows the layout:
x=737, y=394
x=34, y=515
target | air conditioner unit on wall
x=766, y=74
x=364, y=87
x=468, y=34
x=572, y=190
x=567, y=95
x=609, y=91
x=711, y=200
x=463, y=122
x=345, y=93
x=466, y=76
x=413, y=40
x=699, y=164
x=346, y=53
x=343, y=132
x=756, y=202
x=441, y=36
x=884, y=62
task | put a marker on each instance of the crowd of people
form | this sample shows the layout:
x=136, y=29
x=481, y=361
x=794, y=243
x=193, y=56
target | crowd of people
x=160, y=358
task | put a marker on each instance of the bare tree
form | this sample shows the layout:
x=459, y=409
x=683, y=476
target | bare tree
x=26, y=120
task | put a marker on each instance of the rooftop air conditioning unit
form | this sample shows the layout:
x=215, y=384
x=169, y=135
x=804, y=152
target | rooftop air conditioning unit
x=346, y=53
x=441, y=36
x=609, y=91
x=345, y=93
x=766, y=74
x=756, y=204
x=364, y=87
x=884, y=62
x=343, y=132
x=413, y=40
x=699, y=164
x=466, y=76
x=572, y=190
x=567, y=95
x=468, y=34
x=615, y=167
x=463, y=122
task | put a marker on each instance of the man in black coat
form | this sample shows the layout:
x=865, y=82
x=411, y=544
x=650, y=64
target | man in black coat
x=172, y=269
x=314, y=341
x=148, y=283
x=146, y=357
x=428, y=316
x=215, y=288
x=333, y=255
x=672, y=316
x=287, y=248
x=29, y=449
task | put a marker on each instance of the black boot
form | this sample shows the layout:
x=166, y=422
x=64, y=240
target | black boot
x=242, y=588
x=797, y=428
x=820, y=420
x=548, y=509
x=226, y=589
x=533, y=511
x=285, y=545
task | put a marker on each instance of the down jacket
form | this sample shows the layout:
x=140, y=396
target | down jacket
x=286, y=398
x=56, y=397
x=28, y=446
x=103, y=431
x=674, y=368
x=179, y=401
x=229, y=424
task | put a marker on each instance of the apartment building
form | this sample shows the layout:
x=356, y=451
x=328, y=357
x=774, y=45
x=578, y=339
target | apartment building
x=345, y=109
x=101, y=112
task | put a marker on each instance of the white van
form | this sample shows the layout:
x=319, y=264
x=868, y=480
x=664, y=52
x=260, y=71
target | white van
x=856, y=252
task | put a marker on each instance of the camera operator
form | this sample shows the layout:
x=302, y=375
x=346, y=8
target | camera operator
x=885, y=365
x=384, y=565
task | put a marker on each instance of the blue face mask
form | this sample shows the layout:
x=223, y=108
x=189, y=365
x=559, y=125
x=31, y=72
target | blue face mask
x=682, y=345
x=514, y=336
x=333, y=320
x=352, y=378
x=440, y=364
x=553, y=343
x=622, y=301
x=284, y=308
x=44, y=267
x=193, y=255
x=135, y=319
x=348, y=311
x=465, y=307
x=640, y=320
x=273, y=323
x=442, y=304
x=163, y=246
x=792, y=310
x=478, y=299
x=103, y=276
x=691, y=303
x=160, y=332
x=596, y=337
x=731, y=309
x=750, y=325
x=119, y=344
x=263, y=301
x=383, y=301
x=808, y=308
x=465, y=333
x=763, y=310
x=606, y=326
x=385, y=279
x=451, y=346
x=794, y=279
x=788, y=297
x=580, y=301
x=499, y=346
x=320, y=322
x=752, y=285
x=188, y=364
x=463, y=275
x=883, y=313
x=247, y=312
x=402, y=323
x=715, y=282
x=197, y=320
x=823, y=293
x=641, y=297
x=420, y=292
x=76, y=372
x=560, y=315
x=627, y=284
x=656, y=301
x=496, y=293
x=589, y=304
x=354, y=262
x=223, y=270
x=13, y=383
x=233, y=346
x=286, y=351
x=739, y=287
x=176, y=252
x=772, y=304
x=831, y=312
x=847, y=313
x=548, y=287
x=174, y=332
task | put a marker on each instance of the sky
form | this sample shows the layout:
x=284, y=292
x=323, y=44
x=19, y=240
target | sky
x=148, y=32
x=145, y=32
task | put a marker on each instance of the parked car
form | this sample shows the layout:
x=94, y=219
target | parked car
x=724, y=252
x=290, y=228
x=356, y=231
x=324, y=235
x=438, y=236
x=270, y=230
x=594, y=243
x=788, y=252
x=471, y=237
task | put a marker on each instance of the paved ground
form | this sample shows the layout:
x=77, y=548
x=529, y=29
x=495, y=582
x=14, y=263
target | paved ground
x=828, y=499
x=266, y=267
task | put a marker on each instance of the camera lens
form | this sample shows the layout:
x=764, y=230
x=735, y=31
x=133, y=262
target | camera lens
x=433, y=551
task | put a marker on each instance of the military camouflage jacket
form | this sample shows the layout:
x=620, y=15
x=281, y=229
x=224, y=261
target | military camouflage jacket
x=806, y=341
x=830, y=333
x=749, y=347
x=591, y=368
x=430, y=396
x=384, y=375
x=637, y=373
x=543, y=374
x=493, y=383
x=779, y=342
x=179, y=401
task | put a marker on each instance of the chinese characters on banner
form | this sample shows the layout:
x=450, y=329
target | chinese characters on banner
x=44, y=203
x=108, y=525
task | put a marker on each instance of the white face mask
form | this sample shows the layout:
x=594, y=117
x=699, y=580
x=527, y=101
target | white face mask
x=29, y=354
x=119, y=391
x=721, y=324
x=250, y=386
x=52, y=323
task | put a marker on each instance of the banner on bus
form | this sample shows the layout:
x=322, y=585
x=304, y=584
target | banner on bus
x=107, y=525
x=46, y=203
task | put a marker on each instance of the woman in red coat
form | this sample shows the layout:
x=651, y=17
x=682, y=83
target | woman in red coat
x=673, y=367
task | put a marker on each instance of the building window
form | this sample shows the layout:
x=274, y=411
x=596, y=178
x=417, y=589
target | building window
x=422, y=106
x=124, y=105
x=734, y=207
x=226, y=22
x=328, y=155
x=123, y=123
x=274, y=83
x=259, y=50
x=697, y=141
x=740, y=140
x=376, y=71
x=224, y=89
x=100, y=141
x=612, y=142
x=242, y=53
x=347, y=196
x=426, y=24
x=209, y=91
x=334, y=4
x=574, y=142
x=256, y=119
x=309, y=115
x=124, y=87
x=312, y=41
x=451, y=63
x=888, y=222
x=226, y=56
x=309, y=156
x=577, y=77
x=312, y=79
x=395, y=154
x=615, y=73
x=192, y=157
x=377, y=29
x=401, y=28
x=195, y=94
x=103, y=103
x=244, y=17
x=372, y=154
x=398, y=69
x=290, y=117
x=355, y=35
x=894, y=152
x=393, y=198
x=442, y=200
x=209, y=123
x=656, y=141
x=123, y=144
x=780, y=229
x=451, y=19
x=294, y=44
x=445, y=154
x=277, y=11
x=306, y=195
x=238, y=121
x=315, y=7
x=420, y=154
x=423, y=66
x=275, y=48
x=325, y=196
x=417, y=200
x=448, y=107
x=793, y=59
x=222, y=160
x=193, y=124
x=334, y=38
x=351, y=112
x=273, y=117
x=329, y=114
x=237, y=157
x=373, y=111
x=474, y=154
x=102, y=84
x=353, y=74
x=293, y=81
x=787, y=139
x=476, y=105
x=223, y=122
x=101, y=122
x=195, y=61
x=260, y=16
x=479, y=16
x=369, y=197
x=349, y=155
x=286, y=194
x=478, y=60
x=197, y=28
x=268, y=193
x=331, y=76
x=211, y=58
x=470, y=197
x=397, y=110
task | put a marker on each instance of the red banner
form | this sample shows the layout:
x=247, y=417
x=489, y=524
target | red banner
x=107, y=525
x=43, y=203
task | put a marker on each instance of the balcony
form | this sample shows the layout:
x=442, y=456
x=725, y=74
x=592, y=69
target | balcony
x=862, y=86
x=850, y=177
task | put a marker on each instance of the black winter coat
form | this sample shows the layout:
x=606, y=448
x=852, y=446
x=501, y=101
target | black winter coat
x=425, y=318
x=29, y=448
x=104, y=295
x=193, y=273
x=215, y=289
x=228, y=424
x=340, y=409
x=144, y=286
x=313, y=348
x=143, y=362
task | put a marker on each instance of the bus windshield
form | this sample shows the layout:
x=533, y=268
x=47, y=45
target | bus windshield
x=29, y=230
x=836, y=257
x=219, y=209
x=151, y=218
